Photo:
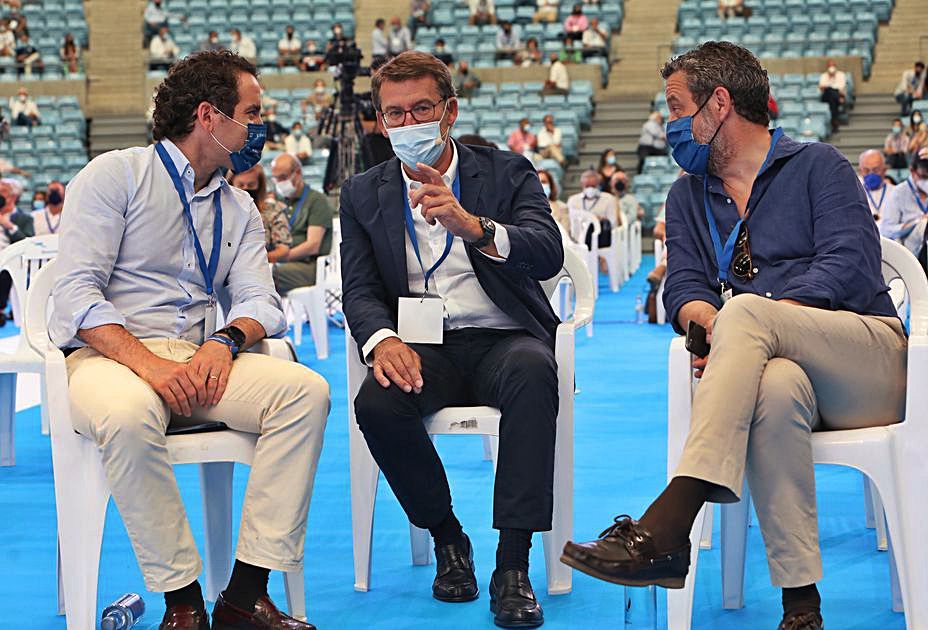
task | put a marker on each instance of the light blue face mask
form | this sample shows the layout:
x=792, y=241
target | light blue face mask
x=692, y=156
x=423, y=143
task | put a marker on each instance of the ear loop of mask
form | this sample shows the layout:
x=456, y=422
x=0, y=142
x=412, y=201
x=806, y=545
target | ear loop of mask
x=218, y=111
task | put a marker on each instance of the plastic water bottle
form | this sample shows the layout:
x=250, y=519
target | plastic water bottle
x=639, y=310
x=124, y=613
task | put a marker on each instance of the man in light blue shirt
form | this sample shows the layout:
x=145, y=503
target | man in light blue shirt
x=135, y=310
x=905, y=218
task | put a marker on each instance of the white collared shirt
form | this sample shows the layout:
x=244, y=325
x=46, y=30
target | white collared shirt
x=466, y=304
x=900, y=213
x=45, y=222
x=878, y=199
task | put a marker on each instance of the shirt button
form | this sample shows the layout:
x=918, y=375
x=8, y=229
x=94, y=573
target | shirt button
x=768, y=294
x=728, y=201
x=756, y=270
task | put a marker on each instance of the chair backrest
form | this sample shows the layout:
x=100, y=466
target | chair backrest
x=22, y=260
x=38, y=302
x=900, y=264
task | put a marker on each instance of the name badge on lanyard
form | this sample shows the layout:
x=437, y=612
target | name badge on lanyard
x=207, y=269
x=421, y=319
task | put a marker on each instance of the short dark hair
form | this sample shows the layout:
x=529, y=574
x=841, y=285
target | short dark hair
x=920, y=63
x=210, y=76
x=723, y=64
x=413, y=65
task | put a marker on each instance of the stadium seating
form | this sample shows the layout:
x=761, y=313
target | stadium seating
x=48, y=23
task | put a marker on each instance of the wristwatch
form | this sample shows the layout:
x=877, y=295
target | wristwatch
x=232, y=334
x=489, y=233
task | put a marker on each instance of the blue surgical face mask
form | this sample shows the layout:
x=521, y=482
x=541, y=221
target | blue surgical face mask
x=250, y=153
x=692, y=156
x=38, y=205
x=873, y=181
x=610, y=160
x=547, y=189
x=419, y=143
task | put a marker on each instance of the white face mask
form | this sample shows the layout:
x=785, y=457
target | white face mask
x=419, y=143
x=285, y=188
x=591, y=192
x=922, y=185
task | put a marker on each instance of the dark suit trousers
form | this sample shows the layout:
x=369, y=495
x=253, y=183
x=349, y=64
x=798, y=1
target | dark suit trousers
x=510, y=370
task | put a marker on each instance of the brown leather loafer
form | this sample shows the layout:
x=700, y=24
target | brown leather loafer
x=807, y=620
x=625, y=554
x=265, y=616
x=184, y=617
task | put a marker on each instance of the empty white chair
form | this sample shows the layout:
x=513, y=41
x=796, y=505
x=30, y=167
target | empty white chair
x=891, y=457
x=82, y=492
x=477, y=421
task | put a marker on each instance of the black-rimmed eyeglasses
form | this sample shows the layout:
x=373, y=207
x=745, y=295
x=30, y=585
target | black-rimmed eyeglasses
x=423, y=112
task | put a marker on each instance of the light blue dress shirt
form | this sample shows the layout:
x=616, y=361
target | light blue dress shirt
x=903, y=219
x=126, y=253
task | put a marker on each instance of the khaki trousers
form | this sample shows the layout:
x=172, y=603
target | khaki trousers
x=284, y=402
x=777, y=372
x=553, y=152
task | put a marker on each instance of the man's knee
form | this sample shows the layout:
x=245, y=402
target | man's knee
x=130, y=424
x=375, y=404
x=785, y=393
x=313, y=392
x=741, y=310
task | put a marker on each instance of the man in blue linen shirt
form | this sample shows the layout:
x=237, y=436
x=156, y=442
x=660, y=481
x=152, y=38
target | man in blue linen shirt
x=907, y=209
x=807, y=338
x=134, y=295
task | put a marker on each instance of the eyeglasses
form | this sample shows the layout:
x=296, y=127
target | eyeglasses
x=422, y=113
x=742, y=266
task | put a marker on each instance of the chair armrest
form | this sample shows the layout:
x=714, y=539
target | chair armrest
x=916, y=395
x=278, y=348
x=679, y=401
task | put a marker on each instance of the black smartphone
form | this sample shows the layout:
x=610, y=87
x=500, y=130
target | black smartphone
x=203, y=427
x=696, y=340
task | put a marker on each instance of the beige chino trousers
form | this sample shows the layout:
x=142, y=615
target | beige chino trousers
x=777, y=372
x=284, y=402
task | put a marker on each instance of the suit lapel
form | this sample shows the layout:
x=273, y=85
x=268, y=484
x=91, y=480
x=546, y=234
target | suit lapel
x=390, y=201
x=471, y=180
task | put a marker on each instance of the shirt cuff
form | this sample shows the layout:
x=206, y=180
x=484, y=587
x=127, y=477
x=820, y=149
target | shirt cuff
x=98, y=314
x=503, y=246
x=269, y=316
x=373, y=340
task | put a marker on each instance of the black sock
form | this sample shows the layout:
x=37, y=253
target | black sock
x=190, y=595
x=448, y=532
x=801, y=599
x=246, y=585
x=670, y=518
x=512, y=551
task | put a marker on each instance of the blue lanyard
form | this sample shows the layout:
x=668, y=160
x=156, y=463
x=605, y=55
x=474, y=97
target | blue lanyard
x=299, y=205
x=208, y=271
x=882, y=196
x=921, y=206
x=411, y=230
x=48, y=222
x=723, y=255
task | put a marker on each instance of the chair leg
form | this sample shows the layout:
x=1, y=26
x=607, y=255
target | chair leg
x=7, y=419
x=680, y=601
x=364, y=475
x=318, y=324
x=734, y=540
x=295, y=586
x=216, y=487
x=868, y=503
x=894, y=588
x=45, y=428
x=705, y=539
x=560, y=576
x=882, y=544
x=487, y=449
x=420, y=541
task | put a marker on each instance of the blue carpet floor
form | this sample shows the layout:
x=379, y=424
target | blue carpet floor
x=620, y=467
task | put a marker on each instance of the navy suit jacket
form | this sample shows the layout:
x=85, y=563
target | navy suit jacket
x=500, y=185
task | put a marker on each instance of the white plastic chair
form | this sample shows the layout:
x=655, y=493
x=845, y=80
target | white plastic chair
x=891, y=457
x=658, y=257
x=477, y=421
x=634, y=247
x=562, y=299
x=22, y=260
x=82, y=492
x=580, y=223
x=616, y=257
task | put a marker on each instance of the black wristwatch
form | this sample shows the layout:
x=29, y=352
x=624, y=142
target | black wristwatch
x=489, y=233
x=235, y=334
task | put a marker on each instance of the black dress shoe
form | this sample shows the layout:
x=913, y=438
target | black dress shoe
x=454, y=575
x=184, y=617
x=512, y=600
x=807, y=620
x=625, y=554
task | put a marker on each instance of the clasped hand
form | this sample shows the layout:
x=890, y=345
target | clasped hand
x=439, y=204
x=201, y=381
x=396, y=362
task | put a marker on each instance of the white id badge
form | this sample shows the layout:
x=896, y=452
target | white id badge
x=421, y=319
x=727, y=294
x=209, y=321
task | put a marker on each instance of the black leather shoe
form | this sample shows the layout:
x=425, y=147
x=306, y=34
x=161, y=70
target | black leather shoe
x=807, y=620
x=512, y=600
x=184, y=617
x=625, y=554
x=454, y=575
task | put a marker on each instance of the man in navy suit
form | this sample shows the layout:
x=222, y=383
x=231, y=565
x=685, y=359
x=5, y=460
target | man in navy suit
x=443, y=248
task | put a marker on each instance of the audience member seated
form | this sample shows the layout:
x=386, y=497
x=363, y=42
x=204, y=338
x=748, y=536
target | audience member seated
x=7, y=40
x=298, y=143
x=575, y=24
x=243, y=45
x=380, y=44
x=732, y=8
x=911, y=87
x=157, y=18
x=28, y=57
x=602, y=205
x=70, y=54
x=418, y=15
x=608, y=166
x=482, y=12
x=398, y=39
x=531, y=54
x=595, y=40
x=309, y=214
x=653, y=139
x=833, y=88
x=508, y=42
x=275, y=131
x=442, y=53
x=896, y=145
x=7, y=168
x=919, y=140
x=45, y=220
x=312, y=59
x=289, y=48
x=915, y=121
x=546, y=12
x=904, y=218
x=277, y=237
x=211, y=42
x=620, y=186
x=811, y=343
x=558, y=208
x=338, y=39
x=549, y=141
x=558, y=81
x=466, y=81
x=135, y=313
x=656, y=275
x=871, y=166
x=522, y=140
x=16, y=226
x=23, y=109
x=570, y=53
x=162, y=51
x=318, y=100
x=38, y=202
